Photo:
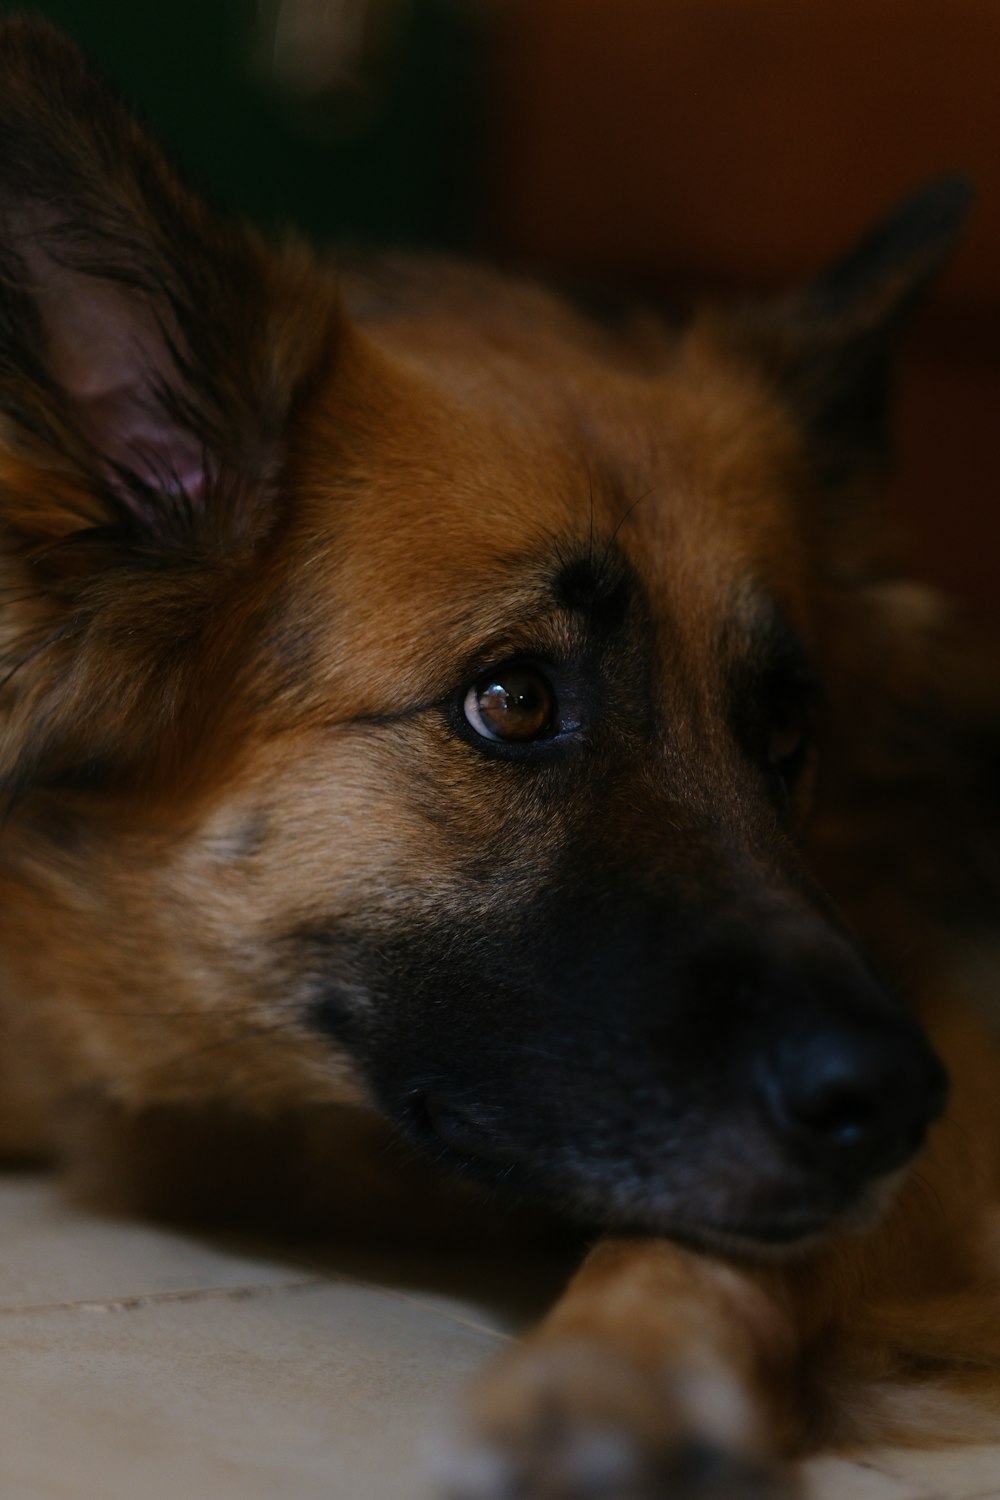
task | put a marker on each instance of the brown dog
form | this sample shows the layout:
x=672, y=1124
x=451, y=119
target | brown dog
x=420, y=702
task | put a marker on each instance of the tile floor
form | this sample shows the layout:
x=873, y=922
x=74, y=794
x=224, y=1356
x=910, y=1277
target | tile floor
x=145, y=1365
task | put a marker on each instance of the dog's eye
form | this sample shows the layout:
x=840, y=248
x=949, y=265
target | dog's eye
x=788, y=740
x=513, y=703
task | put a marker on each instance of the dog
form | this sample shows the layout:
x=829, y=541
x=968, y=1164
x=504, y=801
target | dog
x=427, y=709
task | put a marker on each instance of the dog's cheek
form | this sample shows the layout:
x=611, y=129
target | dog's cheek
x=326, y=835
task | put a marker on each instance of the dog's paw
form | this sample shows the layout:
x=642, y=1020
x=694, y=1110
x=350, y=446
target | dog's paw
x=577, y=1421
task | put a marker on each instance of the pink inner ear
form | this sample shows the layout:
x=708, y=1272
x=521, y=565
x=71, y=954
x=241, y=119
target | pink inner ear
x=126, y=430
x=109, y=355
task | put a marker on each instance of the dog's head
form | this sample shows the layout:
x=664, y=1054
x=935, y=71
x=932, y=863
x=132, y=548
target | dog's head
x=417, y=695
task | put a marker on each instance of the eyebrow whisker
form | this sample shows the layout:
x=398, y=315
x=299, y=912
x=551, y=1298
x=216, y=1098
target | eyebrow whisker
x=606, y=559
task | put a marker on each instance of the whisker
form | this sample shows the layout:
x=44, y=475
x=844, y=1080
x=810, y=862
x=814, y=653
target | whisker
x=929, y=1189
x=590, y=543
x=606, y=559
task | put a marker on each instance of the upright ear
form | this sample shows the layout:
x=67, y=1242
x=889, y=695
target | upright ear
x=831, y=344
x=151, y=355
x=148, y=349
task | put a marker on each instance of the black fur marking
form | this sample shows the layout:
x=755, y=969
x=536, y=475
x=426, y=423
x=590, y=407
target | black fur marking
x=598, y=1047
x=97, y=773
x=317, y=962
x=600, y=589
x=332, y=1012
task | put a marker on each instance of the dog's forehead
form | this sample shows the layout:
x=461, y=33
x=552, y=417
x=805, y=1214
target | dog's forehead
x=445, y=486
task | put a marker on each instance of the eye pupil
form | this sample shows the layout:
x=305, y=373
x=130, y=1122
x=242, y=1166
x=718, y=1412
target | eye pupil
x=516, y=703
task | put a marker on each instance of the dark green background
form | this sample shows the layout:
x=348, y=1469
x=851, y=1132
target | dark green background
x=408, y=175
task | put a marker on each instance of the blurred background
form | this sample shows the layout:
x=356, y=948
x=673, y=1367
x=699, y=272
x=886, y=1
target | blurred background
x=675, y=146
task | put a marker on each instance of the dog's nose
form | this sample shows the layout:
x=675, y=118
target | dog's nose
x=854, y=1102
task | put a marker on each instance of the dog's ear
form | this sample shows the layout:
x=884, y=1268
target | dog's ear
x=149, y=350
x=151, y=355
x=831, y=344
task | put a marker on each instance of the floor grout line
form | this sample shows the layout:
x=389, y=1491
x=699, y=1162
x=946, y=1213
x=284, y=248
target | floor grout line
x=174, y=1294
x=131, y=1301
x=858, y=1462
x=884, y=1473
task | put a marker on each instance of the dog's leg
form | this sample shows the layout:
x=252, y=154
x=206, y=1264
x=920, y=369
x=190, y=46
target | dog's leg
x=662, y=1372
x=669, y=1374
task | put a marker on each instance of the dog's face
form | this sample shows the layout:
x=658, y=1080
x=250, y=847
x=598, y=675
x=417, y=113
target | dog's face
x=422, y=703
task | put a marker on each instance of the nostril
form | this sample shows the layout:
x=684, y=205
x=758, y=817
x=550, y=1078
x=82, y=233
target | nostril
x=838, y=1110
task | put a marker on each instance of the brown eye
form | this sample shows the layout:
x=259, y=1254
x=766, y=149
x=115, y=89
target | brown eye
x=513, y=703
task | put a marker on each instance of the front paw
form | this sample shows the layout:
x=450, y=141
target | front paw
x=575, y=1420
